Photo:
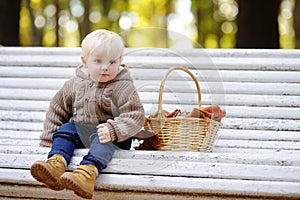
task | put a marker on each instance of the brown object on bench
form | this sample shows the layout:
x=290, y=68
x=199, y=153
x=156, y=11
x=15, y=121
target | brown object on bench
x=211, y=112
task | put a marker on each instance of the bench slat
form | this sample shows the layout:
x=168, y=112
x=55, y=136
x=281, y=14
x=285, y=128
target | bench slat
x=283, y=158
x=223, y=75
x=228, y=123
x=171, y=98
x=21, y=126
x=230, y=134
x=174, y=168
x=13, y=134
x=41, y=72
x=256, y=144
x=173, y=185
x=259, y=135
x=258, y=124
x=24, y=105
x=182, y=87
x=150, y=74
x=159, y=62
x=231, y=112
x=237, y=144
x=222, y=150
x=153, y=52
x=251, y=150
x=31, y=83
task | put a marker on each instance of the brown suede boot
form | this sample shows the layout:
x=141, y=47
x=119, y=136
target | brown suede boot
x=50, y=171
x=81, y=180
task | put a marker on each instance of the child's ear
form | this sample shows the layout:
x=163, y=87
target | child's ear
x=83, y=60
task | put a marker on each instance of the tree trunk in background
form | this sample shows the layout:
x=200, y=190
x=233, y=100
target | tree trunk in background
x=85, y=25
x=56, y=3
x=258, y=24
x=9, y=22
x=36, y=36
x=297, y=23
x=169, y=8
x=200, y=38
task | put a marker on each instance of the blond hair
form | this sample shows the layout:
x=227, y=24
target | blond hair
x=103, y=42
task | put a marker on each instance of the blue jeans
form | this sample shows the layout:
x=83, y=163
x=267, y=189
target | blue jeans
x=71, y=136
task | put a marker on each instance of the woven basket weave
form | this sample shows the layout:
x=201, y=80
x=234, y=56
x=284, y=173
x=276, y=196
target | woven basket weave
x=183, y=134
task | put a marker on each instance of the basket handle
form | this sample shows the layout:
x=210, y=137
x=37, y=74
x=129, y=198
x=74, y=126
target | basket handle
x=159, y=112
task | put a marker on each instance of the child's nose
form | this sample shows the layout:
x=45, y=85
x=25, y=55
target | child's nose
x=104, y=67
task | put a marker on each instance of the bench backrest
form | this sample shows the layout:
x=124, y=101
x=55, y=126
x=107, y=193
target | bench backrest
x=258, y=88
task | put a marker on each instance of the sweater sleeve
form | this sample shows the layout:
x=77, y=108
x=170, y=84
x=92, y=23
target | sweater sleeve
x=58, y=113
x=131, y=114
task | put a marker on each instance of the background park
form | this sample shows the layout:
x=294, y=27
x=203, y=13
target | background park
x=153, y=23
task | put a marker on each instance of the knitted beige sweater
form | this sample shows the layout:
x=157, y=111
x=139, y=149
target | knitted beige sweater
x=116, y=104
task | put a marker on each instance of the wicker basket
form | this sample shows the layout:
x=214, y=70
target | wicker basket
x=183, y=134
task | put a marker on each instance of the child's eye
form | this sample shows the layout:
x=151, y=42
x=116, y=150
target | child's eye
x=112, y=62
x=98, y=61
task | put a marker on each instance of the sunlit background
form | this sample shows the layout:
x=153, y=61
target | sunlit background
x=65, y=22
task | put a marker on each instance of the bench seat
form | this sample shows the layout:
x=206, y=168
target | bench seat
x=256, y=153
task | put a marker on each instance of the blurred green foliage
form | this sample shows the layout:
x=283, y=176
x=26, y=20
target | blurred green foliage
x=142, y=23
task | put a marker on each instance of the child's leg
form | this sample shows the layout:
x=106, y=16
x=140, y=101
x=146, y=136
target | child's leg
x=100, y=154
x=82, y=180
x=48, y=172
x=65, y=140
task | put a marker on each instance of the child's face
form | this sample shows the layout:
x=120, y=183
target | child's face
x=102, y=68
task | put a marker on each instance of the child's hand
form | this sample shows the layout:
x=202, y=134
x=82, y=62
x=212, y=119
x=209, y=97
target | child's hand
x=103, y=133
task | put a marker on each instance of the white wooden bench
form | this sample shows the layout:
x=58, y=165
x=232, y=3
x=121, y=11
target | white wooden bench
x=256, y=154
